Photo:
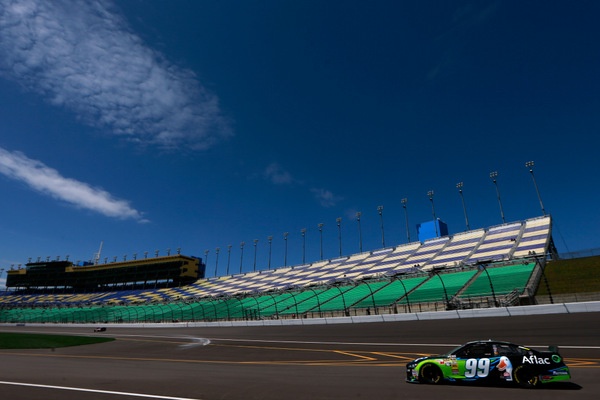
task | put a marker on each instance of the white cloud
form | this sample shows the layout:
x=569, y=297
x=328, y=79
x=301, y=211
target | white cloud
x=82, y=55
x=325, y=197
x=46, y=180
x=277, y=175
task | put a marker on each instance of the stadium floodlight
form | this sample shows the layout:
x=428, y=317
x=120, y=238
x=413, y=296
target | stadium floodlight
x=217, y=250
x=338, y=220
x=206, y=256
x=380, y=211
x=529, y=164
x=285, y=237
x=493, y=176
x=358, y=215
x=255, y=241
x=228, y=257
x=459, y=186
x=270, y=239
x=404, y=201
x=135, y=256
x=430, y=195
x=168, y=251
x=241, y=255
x=320, y=226
x=303, y=232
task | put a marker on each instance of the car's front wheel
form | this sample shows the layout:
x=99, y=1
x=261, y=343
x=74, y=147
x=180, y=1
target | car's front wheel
x=525, y=377
x=430, y=373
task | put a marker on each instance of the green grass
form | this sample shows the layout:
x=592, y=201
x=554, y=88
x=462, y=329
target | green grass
x=41, y=341
x=578, y=275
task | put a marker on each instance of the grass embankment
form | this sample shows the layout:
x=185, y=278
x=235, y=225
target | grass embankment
x=41, y=341
x=578, y=275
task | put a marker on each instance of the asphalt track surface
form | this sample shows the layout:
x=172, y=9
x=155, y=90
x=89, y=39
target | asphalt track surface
x=341, y=361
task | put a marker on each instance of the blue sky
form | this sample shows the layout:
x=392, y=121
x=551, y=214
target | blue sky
x=149, y=125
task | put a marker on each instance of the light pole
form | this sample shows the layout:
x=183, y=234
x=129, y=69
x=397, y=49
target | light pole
x=459, y=186
x=493, y=176
x=217, y=250
x=270, y=239
x=228, y=257
x=303, y=232
x=254, y=265
x=285, y=236
x=338, y=220
x=529, y=164
x=320, y=225
x=380, y=211
x=404, y=201
x=206, y=257
x=358, y=214
x=241, y=255
x=430, y=195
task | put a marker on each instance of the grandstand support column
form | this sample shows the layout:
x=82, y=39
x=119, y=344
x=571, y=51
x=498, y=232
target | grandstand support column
x=404, y=201
x=346, y=311
x=529, y=164
x=434, y=272
x=491, y=285
x=430, y=195
x=542, y=266
x=380, y=211
x=358, y=214
x=459, y=186
x=493, y=176
x=406, y=292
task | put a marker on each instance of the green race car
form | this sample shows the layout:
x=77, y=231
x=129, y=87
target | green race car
x=490, y=362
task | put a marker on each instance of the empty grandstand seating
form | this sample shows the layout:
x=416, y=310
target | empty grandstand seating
x=435, y=271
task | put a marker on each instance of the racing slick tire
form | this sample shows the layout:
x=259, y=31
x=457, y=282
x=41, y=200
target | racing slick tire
x=525, y=377
x=430, y=373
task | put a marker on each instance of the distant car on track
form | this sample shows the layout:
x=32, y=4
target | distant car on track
x=100, y=329
x=491, y=362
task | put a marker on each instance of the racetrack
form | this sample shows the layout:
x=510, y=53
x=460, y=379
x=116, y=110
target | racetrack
x=341, y=361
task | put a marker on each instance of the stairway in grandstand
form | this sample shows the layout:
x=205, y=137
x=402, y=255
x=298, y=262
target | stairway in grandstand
x=440, y=272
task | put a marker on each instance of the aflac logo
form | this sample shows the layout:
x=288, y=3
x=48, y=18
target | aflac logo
x=535, y=360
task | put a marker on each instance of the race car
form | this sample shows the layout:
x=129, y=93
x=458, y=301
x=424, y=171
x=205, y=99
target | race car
x=100, y=329
x=491, y=362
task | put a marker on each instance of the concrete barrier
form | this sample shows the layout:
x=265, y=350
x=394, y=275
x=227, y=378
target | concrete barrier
x=562, y=308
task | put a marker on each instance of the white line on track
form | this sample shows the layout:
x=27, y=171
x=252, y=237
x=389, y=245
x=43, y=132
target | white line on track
x=147, y=396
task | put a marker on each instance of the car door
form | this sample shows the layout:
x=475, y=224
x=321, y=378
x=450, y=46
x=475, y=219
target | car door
x=474, y=362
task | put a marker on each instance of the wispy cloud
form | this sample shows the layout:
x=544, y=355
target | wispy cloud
x=277, y=175
x=325, y=197
x=46, y=180
x=82, y=55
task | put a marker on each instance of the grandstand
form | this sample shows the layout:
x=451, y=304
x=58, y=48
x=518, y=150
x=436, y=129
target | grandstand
x=499, y=266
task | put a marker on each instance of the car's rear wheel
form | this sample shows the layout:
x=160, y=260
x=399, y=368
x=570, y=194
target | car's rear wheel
x=525, y=377
x=430, y=373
